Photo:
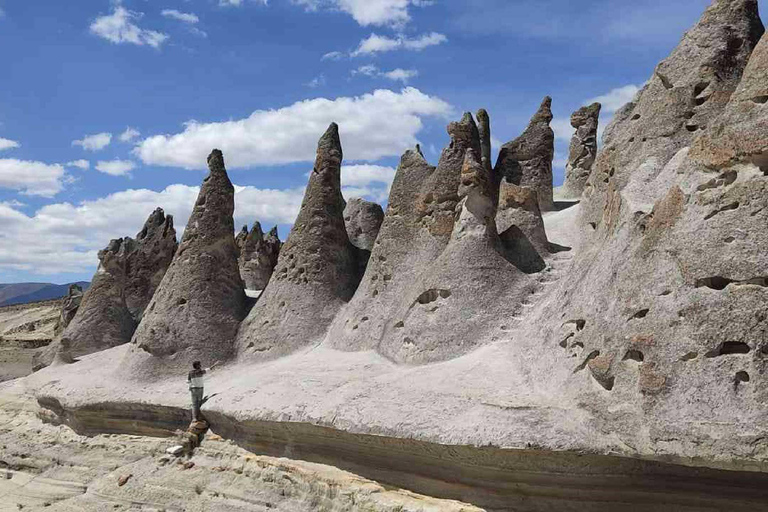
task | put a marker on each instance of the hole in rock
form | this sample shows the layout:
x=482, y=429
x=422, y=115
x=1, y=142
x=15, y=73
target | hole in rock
x=387, y=277
x=399, y=325
x=691, y=127
x=408, y=341
x=690, y=356
x=579, y=323
x=607, y=382
x=364, y=319
x=760, y=99
x=577, y=344
x=699, y=88
x=714, y=282
x=564, y=343
x=591, y=356
x=728, y=348
x=631, y=139
x=665, y=293
x=613, y=171
x=636, y=117
x=375, y=293
x=634, y=355
x=644, y=139
x=728, y=207
x=700, y=101
x=640, y=314
x=593, y=225
x=432, y=295
x=689, y=114
x=181, y=302
x=741, y=377
x=201, y=201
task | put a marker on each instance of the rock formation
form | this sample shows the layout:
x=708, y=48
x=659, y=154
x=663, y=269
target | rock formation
x=583, y=150
x=129, y=272
x=240, y=238
x=527, y=160
x=258, y=256
x=316, y=272
x=200, y=302
x=363, y=220
x=69, y=307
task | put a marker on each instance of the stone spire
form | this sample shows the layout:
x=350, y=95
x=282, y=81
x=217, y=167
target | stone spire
x=195, y=313
x=583, y=150
x=527, y=160
x=258, y=257
x=316, y=272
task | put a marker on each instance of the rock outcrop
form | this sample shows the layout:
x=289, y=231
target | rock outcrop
x=583, y=150
x=527, y=160
x=200, y=302
x=128, y=275
x=69, y=307
x=363, y=220
x=316, y=273
x=258, y=256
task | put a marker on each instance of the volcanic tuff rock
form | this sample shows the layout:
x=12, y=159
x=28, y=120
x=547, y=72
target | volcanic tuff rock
x=741, y=132
x=682, y=99
x=363, y=220
x=199, y=304
x=527, y=160
x=316, y=272
x=128, y=274
x=583, y=150
x=69, y=306
x=258, y=256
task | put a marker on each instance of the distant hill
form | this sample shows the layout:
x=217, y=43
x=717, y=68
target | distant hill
x=21, y=293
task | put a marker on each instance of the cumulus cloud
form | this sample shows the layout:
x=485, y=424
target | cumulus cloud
x=8, y=144
x=64, y=237
x=375, y=125
x=32, y=178
x=316, y=82
x=614, y=99
x=129, y=134
x=80, y=164
x=120, y=27
x=393, y=13
x=379, y=44
x=94, y=142
x=402, y=75
x=368, y=181
x=186, y=17
x=115, y=167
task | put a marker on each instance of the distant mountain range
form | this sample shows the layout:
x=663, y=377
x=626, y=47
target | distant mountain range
x=21, y=293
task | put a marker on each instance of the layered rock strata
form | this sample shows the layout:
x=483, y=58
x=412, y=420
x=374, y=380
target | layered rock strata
x=258, y=256
x=200, y=302
x=317, y=270
x=527, y=160
x=583, y=149
x=129, y=272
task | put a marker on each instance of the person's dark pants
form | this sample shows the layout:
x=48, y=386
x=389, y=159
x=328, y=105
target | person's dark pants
x=197, y=401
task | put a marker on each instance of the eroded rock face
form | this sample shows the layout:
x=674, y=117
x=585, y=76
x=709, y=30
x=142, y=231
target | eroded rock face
x=200, y=302
x=70, y=306
x=527, y=160
x=741, y=132
x=583, y=149
x=680, y=102
x=129, y=272
x=258, y=256
x=316, y=272
x=363, y=220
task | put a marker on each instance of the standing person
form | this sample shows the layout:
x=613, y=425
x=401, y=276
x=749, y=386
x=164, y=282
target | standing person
x=195, y=380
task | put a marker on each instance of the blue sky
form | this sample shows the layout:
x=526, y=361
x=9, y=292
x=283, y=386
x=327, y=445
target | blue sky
x=109, y=108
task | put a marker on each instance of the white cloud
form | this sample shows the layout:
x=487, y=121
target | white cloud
x=316, y=82
x=379, y=44
x=186, y=17
x=31, y=178
x=398, y=74
x=80, y=164
x=562, y=128
x=8, y=144
x=129, y=134
x=332, y=56
x=614, y=99
x=119, y=27
x=63, y=237
x=115, y=167
x=369, y=181
x=375, y=125
x=94, y=142
x=392, y=13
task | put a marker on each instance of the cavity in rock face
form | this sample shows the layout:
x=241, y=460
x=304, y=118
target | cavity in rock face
x=128, y=275
x=741, y=132
x=69, y=307
x=583, y=150
x=316, y=273
x=258, y=256
x=363, y=220
x=195, y=313
x=682, y=99
x=527, y=160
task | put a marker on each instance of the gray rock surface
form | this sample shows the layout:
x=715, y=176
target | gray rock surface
x=69, y=307
x=129, y=272
x=363, y=220
x=258, y=256
x=583, y=150
x=317, y=270
x=196, y=310
x=527, y=160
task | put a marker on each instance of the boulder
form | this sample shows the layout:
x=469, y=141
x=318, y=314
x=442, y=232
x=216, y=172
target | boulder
x=196, y=310
x=527, y=160
x=583, y=150
x=258, y=256
x=317, y=270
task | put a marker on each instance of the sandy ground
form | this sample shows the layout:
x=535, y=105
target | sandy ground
x=23, y=329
